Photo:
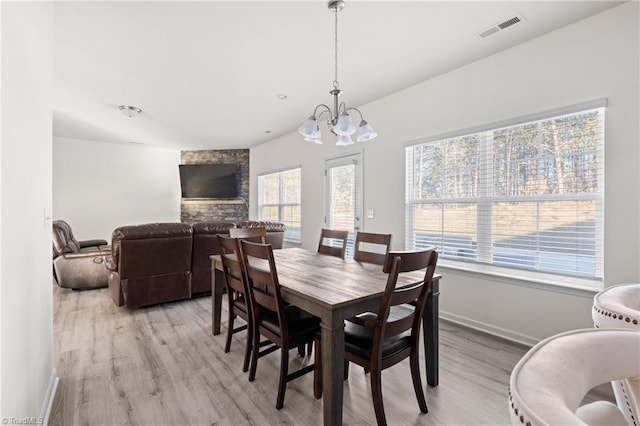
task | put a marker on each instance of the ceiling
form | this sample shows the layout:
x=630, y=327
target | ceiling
x=206, y=74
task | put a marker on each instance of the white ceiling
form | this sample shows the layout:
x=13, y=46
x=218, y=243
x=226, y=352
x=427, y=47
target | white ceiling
x=206, y=73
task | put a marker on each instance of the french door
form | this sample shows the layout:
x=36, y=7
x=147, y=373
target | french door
x=343, y=205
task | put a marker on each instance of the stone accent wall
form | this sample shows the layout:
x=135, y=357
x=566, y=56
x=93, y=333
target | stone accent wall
x=233, y=210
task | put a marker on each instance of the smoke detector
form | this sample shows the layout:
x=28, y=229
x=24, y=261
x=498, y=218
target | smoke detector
x=502, y=25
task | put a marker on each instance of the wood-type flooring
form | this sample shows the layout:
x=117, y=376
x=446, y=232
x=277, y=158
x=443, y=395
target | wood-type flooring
x=161, y=365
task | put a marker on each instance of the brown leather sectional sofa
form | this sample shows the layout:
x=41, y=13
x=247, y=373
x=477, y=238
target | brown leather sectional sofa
x=163, y=262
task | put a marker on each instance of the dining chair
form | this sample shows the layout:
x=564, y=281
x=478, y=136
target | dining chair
x=381, y=242
x=377, y=341
x=237, y=294
x=256, y=235
x=378, y=242
x=287, y=326
x=333, y=242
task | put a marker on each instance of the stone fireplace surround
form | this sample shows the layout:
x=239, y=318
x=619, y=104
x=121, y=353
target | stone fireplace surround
x=204, y=210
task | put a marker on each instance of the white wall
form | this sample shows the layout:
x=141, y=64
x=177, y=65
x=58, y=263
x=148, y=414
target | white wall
x=99, y=186
x=26, y=318
x=594, y=58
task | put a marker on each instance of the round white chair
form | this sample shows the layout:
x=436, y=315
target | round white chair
x=550, y=381
x=618, y=306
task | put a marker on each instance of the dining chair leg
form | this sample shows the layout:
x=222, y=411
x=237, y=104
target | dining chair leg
x=317, y=370
x=417, y=382
x=284, y=369
x=255, y=353
x=230, y=321
x=376, y=393
x=346, y=369
x=248, y=349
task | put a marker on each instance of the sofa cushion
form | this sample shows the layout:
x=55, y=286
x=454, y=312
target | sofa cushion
x=275, y=231
x=147, y=231
x=270, y=226
x=214, y=227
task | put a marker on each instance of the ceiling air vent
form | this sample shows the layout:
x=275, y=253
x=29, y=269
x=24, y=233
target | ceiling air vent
x=501, y=26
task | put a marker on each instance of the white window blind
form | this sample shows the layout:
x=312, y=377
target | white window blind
x=527, y=196
x=279, y=200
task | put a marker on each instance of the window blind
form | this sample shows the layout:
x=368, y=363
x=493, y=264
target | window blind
x=526, y=196
x=343, y=204
x=279, y=200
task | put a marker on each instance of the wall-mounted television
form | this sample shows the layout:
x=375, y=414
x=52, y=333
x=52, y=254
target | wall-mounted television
x=208, y=180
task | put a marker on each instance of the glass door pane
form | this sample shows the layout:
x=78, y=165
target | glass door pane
x=343, y=204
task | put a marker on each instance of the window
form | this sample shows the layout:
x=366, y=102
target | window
x=279, y=200
x=527, y=196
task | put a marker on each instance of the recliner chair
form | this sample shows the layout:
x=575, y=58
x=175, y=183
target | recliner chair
x=78, y=265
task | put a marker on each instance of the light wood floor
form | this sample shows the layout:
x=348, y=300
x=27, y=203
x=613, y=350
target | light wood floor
x=161, y=366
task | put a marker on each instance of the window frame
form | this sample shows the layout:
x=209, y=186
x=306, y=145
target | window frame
x=483, y=263
x=281, y=205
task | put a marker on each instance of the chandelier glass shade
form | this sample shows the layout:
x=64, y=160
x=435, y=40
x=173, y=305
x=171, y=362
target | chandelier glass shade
x=338, y=121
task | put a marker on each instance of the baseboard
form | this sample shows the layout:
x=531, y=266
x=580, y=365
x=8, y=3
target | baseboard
x=490, y=329
x=49, y=397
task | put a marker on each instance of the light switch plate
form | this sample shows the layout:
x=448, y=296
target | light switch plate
x=47, y=216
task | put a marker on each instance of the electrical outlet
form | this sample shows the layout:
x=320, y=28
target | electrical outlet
x=370, y=214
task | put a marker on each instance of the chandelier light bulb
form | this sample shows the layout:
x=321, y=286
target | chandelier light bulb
x=315, y=140
x=309, y=128
x=365, y=132
x=344, y=126
x=344, y=140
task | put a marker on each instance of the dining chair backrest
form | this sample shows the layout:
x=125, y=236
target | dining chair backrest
x=381, y=242
x=232, y=266
x=264, y=287
x=235, y=280
x=333, y=242
x=407, y=293
x=256, y=235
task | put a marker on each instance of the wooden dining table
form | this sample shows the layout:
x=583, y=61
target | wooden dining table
x=335, y=289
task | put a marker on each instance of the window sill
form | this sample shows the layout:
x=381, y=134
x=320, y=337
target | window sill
x=539, y=280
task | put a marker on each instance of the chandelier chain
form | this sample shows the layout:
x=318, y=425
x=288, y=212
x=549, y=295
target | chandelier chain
x=335, y=47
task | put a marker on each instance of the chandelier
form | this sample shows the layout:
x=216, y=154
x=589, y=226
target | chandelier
x=338, y=121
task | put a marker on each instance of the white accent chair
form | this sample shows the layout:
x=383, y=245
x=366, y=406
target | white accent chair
x=549, y=383
x=618, y=306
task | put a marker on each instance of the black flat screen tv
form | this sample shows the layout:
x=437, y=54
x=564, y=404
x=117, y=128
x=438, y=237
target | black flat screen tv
x=208, y=180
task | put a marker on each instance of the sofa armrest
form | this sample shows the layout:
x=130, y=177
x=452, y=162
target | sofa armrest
x=81, y=270
x=99, y=255
x=92, y=243
x=110, y=264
